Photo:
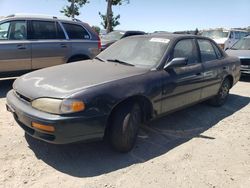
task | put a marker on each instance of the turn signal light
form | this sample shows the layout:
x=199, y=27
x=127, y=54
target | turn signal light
x=77, y=106
x=47, y=128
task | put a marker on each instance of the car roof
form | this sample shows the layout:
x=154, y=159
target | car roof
x=40, y=16
x=170, y=36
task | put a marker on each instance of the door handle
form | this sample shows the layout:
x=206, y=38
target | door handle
x=224, y=68
x=198, y=74
x=63, y=45
x=21, y=47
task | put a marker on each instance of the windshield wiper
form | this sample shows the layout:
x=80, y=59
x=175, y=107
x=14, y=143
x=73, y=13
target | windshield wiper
x=100, y=59
x=119, y=61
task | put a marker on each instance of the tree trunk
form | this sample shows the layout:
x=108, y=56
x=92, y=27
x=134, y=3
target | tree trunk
x=73, y=8
x=109, y=16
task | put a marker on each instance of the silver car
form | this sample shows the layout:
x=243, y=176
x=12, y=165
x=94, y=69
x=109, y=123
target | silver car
x=29, y=42
x=241, y=49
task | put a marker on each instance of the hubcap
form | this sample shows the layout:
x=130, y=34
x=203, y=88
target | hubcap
x=224, y=91
x=131, y=128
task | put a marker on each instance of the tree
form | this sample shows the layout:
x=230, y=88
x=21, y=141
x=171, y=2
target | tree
x=109, y=20
x=72, y=10
x=114, y=21
x=96, y=29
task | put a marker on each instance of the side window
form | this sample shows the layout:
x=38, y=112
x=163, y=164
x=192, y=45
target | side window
x=4, y=30
x=60, y=33
x=207, y=50
x=76, y=31
x=217, y=51
x=186, y=48
x=231, y=36
x=237, y=35
x=43, y=30
x=243, y=34
x=14, y=30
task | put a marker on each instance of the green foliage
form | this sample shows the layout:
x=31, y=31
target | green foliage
x=111, y=19
x=119, y=2
x=96, y=29
x=72, y=10
x=114, y=20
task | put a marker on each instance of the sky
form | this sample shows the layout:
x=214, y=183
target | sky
x=148, y=15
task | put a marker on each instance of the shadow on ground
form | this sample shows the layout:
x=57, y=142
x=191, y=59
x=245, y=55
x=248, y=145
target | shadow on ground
x=5, y=86
x=155, y=139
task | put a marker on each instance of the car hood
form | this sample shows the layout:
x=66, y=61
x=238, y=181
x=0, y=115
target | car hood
x=239, y=53
x=64, y=80
x=220, y=40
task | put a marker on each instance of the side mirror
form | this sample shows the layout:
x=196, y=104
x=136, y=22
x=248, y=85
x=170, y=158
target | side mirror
x=176, y=62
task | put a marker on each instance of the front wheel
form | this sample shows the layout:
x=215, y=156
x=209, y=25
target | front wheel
x=124, y=128
x=222, y=95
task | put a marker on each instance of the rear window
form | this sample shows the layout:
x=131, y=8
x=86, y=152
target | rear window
x=76, y=31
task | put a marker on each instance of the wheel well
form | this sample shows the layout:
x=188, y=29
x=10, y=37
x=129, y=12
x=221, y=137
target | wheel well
x=144, y=103
x=77, y=57
x=231, y=79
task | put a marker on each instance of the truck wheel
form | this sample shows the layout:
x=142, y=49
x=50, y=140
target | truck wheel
x=222, y=95
x=124, y=128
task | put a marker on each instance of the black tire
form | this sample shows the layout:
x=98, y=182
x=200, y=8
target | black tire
x=125, y=124
x=222, y=95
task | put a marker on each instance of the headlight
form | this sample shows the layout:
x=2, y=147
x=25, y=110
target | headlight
x=58, y=106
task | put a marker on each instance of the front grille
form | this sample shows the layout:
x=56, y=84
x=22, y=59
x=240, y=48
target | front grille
x=245, y=61
x=22, y=97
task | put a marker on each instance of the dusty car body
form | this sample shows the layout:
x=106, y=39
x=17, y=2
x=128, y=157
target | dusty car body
x=241, y=49
x=163, y=73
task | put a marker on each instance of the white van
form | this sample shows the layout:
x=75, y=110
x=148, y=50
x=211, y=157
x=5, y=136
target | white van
x=225, y=38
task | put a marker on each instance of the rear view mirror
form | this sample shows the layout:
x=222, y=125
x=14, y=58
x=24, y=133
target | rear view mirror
x=176, y=62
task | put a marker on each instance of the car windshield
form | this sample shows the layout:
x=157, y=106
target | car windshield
x=242, y=44
x=215, y=34
x=136, y=51
x=114, y=35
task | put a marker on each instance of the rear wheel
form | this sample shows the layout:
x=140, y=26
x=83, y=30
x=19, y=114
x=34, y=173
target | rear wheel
x=124, y=128
x=222, y=95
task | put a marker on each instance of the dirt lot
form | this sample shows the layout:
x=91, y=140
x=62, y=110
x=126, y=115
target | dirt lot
x=201, y=146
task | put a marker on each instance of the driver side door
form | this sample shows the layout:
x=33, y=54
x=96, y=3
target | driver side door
x=181, y=86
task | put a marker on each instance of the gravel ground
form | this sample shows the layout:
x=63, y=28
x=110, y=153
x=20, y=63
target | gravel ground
x=201, y=146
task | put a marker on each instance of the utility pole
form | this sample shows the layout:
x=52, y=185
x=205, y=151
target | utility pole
x=73, y=8
x=109, y=16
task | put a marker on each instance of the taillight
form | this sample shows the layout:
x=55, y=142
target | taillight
x=99, y=43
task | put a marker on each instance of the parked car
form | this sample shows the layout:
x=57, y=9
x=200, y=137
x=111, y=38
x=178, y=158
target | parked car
x=241, y=49
x=225, y=38
x=134, y=80
x=29, y=42
x=112, y=37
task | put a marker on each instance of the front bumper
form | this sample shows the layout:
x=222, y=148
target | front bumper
x=68, y=129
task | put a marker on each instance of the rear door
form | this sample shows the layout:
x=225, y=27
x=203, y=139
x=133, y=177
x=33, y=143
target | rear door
x=49, y=44
x=15, y=49
x=182, y=85
x=212, y=60
x=81, y=40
